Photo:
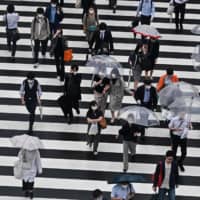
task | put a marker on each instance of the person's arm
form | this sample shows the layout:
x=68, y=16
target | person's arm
x=38, y=162
x=156, y=175
x=106, y=88
x=60, y=14
x=152, y=11
x=48, y=27
x=111, y=42
x=155, y=98
x=85, y=23
x=32, y=29
x=139, y=8
x=160, y=84
x=22, y=92
x=39, y=93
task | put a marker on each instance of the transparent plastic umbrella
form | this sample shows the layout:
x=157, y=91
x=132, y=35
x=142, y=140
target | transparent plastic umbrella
x=26, y=142
x=139, y=115
x=105, y=65
x=196, y=58
x=196, y=29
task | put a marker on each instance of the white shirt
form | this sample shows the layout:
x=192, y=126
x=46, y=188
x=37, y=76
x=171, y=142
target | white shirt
x=11, y=19
x=165, y=183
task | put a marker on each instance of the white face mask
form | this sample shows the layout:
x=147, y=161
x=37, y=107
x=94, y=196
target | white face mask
x=74, y=73
x=148, y=87
x=30, y=81
x=94, y=107
x=53, y=5
x=91, y=11
x=125, y=186
x=40, y=15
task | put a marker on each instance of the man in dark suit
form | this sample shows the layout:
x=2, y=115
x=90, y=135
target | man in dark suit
x=103, y=40
x=146, y=96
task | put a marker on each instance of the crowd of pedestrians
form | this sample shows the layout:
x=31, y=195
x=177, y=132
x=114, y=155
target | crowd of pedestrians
x=46, y=25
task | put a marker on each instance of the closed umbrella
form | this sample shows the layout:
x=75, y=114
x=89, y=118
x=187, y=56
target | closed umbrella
x=139, y=115
x=26, y=142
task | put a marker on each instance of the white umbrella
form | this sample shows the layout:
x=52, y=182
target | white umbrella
x=196, y=29
x=26, y=142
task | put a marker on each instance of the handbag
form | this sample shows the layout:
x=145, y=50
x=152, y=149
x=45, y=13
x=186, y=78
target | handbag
x=18, y=169
x=93, y=129
x=68, y=55
x=170, y=9
x=78, y=4
x=103, y=123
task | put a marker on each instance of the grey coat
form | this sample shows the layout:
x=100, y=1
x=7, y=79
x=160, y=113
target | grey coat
x=44, y=32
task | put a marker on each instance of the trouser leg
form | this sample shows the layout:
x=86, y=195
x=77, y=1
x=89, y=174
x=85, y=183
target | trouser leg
x=14, y=47
x=175, y=143
x=161, y=193
x=44, y=46
x=31, y=106
x=125, y=155
x=132, y=148
x=96, y=142
x=36, y=50
x=57, y=61
x=171, y=194
x=182, y=13
x=183, y=144
x=62, y=68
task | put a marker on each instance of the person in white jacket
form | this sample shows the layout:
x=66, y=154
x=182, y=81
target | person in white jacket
x=30, y=168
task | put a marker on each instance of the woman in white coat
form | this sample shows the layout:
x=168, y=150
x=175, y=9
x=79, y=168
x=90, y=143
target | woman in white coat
x=30, y=168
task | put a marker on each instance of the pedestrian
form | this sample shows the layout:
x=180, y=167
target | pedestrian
x=101, y=87
x=11, y=19
x=55, y=15
x=146, y=11
x=153, y=46
x=86, y=4
x=30, y=168
x=58, y=46
x=123, y=190
x=129, y=132
x=72, y=88
x=166, y=177
x=146, y=96
x=179, y=9
x=180, y=126
x=94, y=116
x=30, y=92
x=103, y=40
x=116, y=92
x=134, y=61
x=168, y=78
x=40, y=33
x=113, y=5
x=98, y=195
x=90, y=23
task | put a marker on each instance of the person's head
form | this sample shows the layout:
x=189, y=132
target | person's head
x=102, y=26
x=93, y=105
x=147, y=83
x=40, y=11
x=145, y=47
x=97, y=194
x=10, y=8
x=169, y=156
x=74, y=68
x=30, y=75
x=130, y=119
x=170, y=71
x=181, y=115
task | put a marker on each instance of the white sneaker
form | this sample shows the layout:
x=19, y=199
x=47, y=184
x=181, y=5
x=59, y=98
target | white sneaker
x=95, y=153
x=58, y=77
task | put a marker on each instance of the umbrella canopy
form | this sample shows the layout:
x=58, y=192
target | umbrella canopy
x=105, y=65
x=26, y=142
x=147, y=31
x=196, y=30
x=139, y=115
x=127, y=178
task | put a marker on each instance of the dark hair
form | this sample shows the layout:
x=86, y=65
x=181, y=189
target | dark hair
x=102, y=26
x=170, y=71
x=74, y=66
x=40, y=11
x=96, y=193
x=30, y=75
x=169, y=153
x=10, y=8
x=54, y=1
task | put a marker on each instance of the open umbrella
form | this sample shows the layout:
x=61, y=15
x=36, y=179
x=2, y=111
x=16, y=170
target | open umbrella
x=105, y=65
x=146, y=31
x=196, y=29
x=139, y=115
x=127, y=178
x=26, y=142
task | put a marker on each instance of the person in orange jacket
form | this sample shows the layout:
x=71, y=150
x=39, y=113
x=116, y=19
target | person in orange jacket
x=167, y=79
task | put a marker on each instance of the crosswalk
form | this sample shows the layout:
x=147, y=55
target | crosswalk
x=70, y=169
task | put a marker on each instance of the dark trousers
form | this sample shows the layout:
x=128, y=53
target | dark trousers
x=31, y=106
x=145, y=19
x=112, y=3
x=37, y=48
x=60, y=67
x=176, y=141
x=12, y=45
x=179, y=14
x=53, y=28
x=27, y=185
x=75, y=104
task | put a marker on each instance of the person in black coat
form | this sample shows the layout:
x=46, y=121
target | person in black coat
x=103, y=40
x=58, y=46
x=72, y=90
x=146, y=96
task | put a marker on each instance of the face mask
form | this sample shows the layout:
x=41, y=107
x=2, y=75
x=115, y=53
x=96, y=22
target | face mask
x=94, y=107
x=125, y=186
x=53, y=5
x=74, y=73
x=30, y=81
x=148, y=87
x=40, y=15
x=91, y=11
x=99, y=198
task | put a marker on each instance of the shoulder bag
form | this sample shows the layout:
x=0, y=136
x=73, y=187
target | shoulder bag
x=103, y=123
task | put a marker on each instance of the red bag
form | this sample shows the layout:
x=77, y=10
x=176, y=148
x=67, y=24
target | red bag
x=68, y=55
x=160, y=176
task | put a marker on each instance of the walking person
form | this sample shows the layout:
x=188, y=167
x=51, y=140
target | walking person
x=146, y=96
x=72, y=90
x=113, y=5
x=146, y=11
x=11, y=19
x=30, y=92
x=55, y=15
x=129, y=132
x=30, y=168
x=166, y=177
x=58, y=46
x=94, y=116
x=179, y=9
x=40, y=32
x=180, y=126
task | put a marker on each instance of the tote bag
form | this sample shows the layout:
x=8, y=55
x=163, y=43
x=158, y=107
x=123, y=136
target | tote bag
x=18, y=169
x=68, y=55
x=93, y=129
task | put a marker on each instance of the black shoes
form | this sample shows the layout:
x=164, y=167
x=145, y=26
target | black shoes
x=78, y=111
x=181, y=167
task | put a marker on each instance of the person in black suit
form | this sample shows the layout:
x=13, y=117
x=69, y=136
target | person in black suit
x=103, y=40
x=72, y=90
x=146, y=96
